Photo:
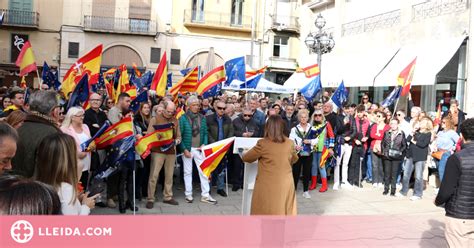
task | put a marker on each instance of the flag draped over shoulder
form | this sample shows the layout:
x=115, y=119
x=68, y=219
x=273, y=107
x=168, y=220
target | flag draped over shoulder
x=310, y=71
x=211, y=79
x=392, y=97
x=162, y=136
x=26, y=59
x=235, y=70
x=340, y=95
x=114, y=133
x=311, y=89
x=160, y=79
x=87, y=64
x=213, y=154
x=405, y=78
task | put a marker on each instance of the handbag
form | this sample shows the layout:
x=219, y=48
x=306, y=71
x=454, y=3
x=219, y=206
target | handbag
x=437, y=155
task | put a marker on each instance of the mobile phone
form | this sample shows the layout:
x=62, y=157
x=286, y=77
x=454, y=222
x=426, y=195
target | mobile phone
x=95, y=191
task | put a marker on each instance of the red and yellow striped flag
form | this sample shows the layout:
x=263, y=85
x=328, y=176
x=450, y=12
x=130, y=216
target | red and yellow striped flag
x=157, y=138
x=177, y=86
x=211, y=79
x=179, y=113
x=249, y=74
x=135, y=68
x=160, y=79
x=324, y=156
x=26, y=59
x=310, y=71
x=89, y=63
x=213, y=154
x=405, y=78
x=114, y=133
x=191, y=82
x=123, y=82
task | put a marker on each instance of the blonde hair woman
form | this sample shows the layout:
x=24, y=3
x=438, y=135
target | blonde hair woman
x=446, y=140
x=419, y=141
x=57, y=166
x=304, y=147
x=73, y=125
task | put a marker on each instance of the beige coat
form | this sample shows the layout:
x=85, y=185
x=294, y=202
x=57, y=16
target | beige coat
x=274, y=192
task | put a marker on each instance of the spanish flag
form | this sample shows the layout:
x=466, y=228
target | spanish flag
x=160, y=79
x=114, y=133
x=158, y=138
x=310, y=71
x=405, y=78
x=137, y=72
x=213, y=154
x=179, y=113
x=188, y=79
x=324, y=157
x=249, y=74
x=437, y=119
x=123, y=82
x=211, y=79
x=26, y=60
x=23, y=83
x=89, y=63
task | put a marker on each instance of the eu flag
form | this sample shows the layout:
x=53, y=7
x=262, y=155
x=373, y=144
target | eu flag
x=235, y=70
x=123, y=150
x=312, y=88
x=135, y=104
x=392, y=97
x=143, y=81
x=49, y=77
x=212, y=92
x=169, y=81
x=80, y=93
x=340, y=95
x=252, y=83
x=185, y=72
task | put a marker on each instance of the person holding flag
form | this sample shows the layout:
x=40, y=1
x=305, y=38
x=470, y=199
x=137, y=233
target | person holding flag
x=219, y=127
x=163, y=157
x=323, y=149
x=193, y=128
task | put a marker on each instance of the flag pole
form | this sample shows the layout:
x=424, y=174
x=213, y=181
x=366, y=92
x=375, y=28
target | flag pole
x=39, y=79
x=226, y=181
x=134, y=199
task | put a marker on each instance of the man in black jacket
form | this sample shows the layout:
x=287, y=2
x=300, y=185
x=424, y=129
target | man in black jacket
x=219, y=127
x=244, y=126
x=289, y=118
x=457, y=191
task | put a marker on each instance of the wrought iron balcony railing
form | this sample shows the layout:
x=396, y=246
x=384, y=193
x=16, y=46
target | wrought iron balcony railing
x=120, y=25
x=217, y=19
x=369, y=24
x=285, y=23
x=20, y=18
x=432, y=9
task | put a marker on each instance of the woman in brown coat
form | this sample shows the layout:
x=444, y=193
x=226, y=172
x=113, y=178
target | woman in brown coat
x=274, y=192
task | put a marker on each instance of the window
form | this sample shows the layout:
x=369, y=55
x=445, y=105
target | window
x=175, y=57
x=198, y=11
x=17, y=43
x=155, y=55
x=73, y=50
x=280, y=47
x=236, y=16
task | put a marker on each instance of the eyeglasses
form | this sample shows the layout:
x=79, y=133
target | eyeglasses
x=318, y=115
x=96, y=100
x=220, y=108
x=247, y=115
x=109, y=102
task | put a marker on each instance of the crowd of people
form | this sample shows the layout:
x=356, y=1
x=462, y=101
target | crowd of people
x=41, y=147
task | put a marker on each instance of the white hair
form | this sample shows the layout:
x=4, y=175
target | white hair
x=70, y=113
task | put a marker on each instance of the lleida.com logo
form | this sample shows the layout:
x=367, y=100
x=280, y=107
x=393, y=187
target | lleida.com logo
x=22, y=231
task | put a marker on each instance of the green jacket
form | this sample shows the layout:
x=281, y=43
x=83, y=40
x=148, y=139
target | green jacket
x=187, y=132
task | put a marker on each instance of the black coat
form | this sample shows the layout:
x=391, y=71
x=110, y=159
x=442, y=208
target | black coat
x=241, y=126
x=418, y=151
x=94, y=120
x=399, y=143
x=289, y=123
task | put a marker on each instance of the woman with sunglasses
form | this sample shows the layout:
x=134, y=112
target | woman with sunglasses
x=304, y=143
x=377, y=132
x=324, y=140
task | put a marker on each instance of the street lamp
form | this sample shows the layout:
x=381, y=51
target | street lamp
x=319, y=42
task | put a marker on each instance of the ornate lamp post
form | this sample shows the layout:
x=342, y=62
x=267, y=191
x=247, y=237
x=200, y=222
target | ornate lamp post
x=319, y=42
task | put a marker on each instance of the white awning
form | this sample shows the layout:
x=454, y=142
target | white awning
x=262, y=86
x=431, y=55
x=356, y=68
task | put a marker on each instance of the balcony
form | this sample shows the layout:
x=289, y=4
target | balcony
x=19, y=18
x=217, y=20
x=120, y=25
x=285, y=24
x=370, y=24
x=288, y=64
x=432, y=9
